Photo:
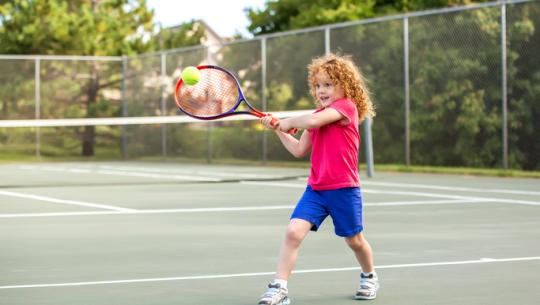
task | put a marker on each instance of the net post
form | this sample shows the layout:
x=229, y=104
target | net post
x=368, y=144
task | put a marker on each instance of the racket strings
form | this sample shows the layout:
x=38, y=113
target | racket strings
x=214, y=94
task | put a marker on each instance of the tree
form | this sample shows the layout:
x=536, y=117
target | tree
x=286, y=15
x=294, y=14
x=81, y=27
x=524, y=85
x=186, y=34
x=455, y=69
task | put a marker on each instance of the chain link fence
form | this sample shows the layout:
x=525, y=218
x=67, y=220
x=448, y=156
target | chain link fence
x=452, y=87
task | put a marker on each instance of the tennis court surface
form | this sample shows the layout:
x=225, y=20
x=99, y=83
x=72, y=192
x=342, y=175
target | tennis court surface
x=167, y=233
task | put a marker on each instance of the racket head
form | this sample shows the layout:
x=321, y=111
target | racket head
x=216, y=95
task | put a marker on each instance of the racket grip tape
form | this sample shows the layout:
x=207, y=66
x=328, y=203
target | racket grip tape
x=274, y=121
x=292, y=131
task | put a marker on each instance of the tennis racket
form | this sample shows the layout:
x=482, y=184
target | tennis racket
x=215, y=96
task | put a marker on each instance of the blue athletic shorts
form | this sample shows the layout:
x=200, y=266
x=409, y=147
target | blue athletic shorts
x=343, y=205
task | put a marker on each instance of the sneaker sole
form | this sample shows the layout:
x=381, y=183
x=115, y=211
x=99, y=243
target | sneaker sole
x=364, y=298
x=286, y=301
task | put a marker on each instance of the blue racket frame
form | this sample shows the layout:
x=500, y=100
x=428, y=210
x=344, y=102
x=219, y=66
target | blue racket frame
x=241, y=98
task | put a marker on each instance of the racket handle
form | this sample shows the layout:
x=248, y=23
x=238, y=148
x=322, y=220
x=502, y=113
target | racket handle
x=274, y=121
x=291, y=131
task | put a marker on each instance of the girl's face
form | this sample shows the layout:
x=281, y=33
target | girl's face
x=327, y=92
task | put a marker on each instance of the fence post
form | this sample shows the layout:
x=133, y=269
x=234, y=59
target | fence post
x=264, y=101
x=504, y=88
x=407, y=89
x=163, y=68
x=327, y=40
x=37, y=96
x=210, y=151
x=124, y=108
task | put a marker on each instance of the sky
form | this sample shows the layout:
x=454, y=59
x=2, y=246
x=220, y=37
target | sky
x=226, y=17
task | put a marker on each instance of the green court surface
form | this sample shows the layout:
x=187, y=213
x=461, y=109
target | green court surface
x=156, y=233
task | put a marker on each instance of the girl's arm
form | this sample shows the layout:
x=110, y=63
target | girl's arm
x=313, y=120
x=300, y=148
x=297, y=147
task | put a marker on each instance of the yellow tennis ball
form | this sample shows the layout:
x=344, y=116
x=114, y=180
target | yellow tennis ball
x=191, y=75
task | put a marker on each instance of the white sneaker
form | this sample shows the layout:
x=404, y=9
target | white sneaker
x=275, y=295
x=368, y=287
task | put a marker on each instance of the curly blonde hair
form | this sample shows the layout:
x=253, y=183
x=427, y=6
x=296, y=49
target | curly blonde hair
x=344, y=73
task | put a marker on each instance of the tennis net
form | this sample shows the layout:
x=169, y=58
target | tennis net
x=237, y=137
x=132, y=150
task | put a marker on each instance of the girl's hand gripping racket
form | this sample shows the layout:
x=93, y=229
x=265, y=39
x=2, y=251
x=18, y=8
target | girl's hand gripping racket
x=216, y=95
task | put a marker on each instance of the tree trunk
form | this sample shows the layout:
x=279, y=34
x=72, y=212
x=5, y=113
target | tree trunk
x=5, y=109
x=89, y=133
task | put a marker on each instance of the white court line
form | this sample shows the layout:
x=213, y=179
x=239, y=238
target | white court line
x=62, y=201
x=151, y=211
x=112, y=172
x=422, y=194
x=423, y=202
x=190, y=172
x=283, y=184
x=209, y=210
x=451, y=199
x=451, y=188
x=234, y=275
x=477, y=199
x=157, y=176
x=146, y=172
x=86, y=169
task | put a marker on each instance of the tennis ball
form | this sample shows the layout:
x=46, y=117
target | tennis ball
x=191, y=75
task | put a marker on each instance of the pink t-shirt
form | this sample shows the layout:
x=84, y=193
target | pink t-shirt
x=334, y=152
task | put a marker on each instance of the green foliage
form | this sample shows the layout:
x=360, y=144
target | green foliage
x=378, y=50
x=524, y=86
x=81, y=27
x=293, y=14
x=455, y=75
x=85, y=27
x=456, y=97
x=286, y=15
x=186, y=34
x=17, y=89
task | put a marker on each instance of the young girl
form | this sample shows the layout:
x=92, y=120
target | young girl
x=331, y=133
